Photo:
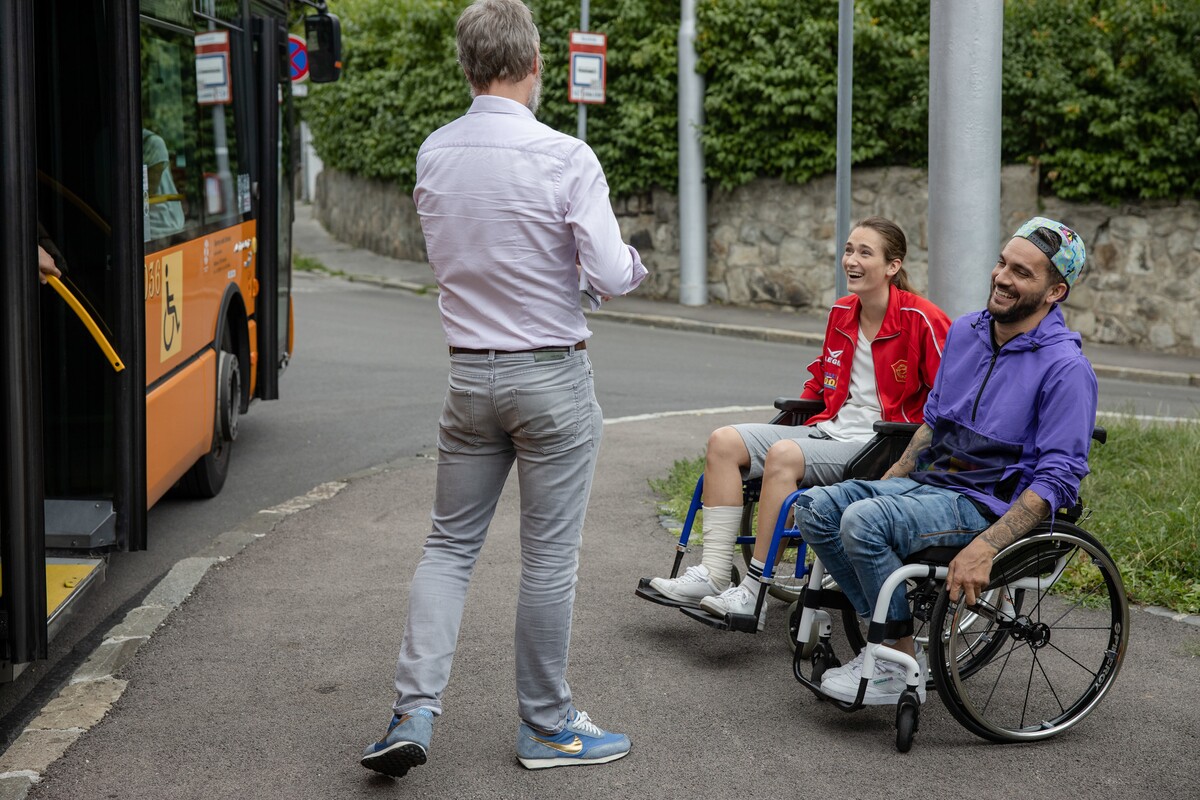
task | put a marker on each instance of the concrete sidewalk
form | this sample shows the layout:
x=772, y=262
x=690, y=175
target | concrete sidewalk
x=310, y=239
x=276, y=671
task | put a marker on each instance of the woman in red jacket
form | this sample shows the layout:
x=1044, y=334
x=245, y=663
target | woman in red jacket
x=883, y=344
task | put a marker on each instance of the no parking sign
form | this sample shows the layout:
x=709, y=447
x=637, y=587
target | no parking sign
x=298, y=57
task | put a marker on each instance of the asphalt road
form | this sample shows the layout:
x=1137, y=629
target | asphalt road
x=364, y=388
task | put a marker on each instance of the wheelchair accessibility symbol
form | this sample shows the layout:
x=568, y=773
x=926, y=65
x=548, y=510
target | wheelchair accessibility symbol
x=172, y=305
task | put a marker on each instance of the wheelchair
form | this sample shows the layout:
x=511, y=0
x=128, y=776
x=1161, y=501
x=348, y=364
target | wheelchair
x=786, y=573
x=1024, y=663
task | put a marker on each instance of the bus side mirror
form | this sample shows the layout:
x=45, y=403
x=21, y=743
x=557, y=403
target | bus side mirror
x=323, y=35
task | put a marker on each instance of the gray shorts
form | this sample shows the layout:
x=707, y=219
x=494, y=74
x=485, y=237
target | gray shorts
x=824, y=459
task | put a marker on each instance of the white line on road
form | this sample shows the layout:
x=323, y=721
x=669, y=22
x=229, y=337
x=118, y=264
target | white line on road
x=695, y=412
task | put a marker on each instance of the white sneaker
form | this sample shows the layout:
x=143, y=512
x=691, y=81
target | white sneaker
x=853, y=664
x=691, y=587
x=883, y=689
x=857, y=662
x=734, y=600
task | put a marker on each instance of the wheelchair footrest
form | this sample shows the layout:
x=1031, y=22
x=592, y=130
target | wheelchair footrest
x=648, y=592
x=742, y=623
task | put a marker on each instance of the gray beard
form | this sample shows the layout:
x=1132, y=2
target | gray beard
x=535, y=96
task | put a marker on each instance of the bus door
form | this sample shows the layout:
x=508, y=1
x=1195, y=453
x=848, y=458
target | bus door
x=73, y=442
x=89, y=212
x=273, y=180
x=22, y=550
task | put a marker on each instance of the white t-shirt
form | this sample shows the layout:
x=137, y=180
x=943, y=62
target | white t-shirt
x=856, y=418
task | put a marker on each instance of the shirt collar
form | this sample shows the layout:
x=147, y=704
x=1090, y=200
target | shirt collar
x=494, y=104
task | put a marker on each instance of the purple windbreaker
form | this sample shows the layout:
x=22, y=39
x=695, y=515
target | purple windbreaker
x=1010, y=419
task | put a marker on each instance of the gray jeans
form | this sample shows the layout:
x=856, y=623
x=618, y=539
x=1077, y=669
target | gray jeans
x=539, y=410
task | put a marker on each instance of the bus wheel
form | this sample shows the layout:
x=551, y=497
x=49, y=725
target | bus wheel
x=207, y=476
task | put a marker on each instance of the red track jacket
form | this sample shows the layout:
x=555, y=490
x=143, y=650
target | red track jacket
x=906, y=352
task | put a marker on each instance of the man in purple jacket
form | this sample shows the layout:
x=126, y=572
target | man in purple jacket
x=1004, y=443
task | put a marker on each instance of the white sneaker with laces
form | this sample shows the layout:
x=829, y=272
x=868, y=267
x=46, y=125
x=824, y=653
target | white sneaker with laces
x=856, y=664
x=883, y=689
x=734, y=600
x=691, y=587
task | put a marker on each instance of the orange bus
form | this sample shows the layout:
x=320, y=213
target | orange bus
x=148, y=150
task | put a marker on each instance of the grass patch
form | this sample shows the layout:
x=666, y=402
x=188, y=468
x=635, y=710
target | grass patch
x=1145, y=505
x=1144, y=498
x=303, y=263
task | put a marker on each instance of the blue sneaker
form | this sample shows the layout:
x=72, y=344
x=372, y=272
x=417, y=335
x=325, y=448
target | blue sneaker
x=406, y=744
x=581, y=742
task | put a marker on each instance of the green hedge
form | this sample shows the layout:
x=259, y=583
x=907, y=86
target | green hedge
x=1103, y=94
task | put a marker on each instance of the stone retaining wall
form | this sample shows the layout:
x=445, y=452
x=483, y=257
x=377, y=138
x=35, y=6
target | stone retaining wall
x=771, y=245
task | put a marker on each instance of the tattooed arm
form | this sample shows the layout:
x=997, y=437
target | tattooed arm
x=972, y=567
x=908, y=459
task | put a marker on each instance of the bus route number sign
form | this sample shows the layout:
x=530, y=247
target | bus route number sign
x=589, y=73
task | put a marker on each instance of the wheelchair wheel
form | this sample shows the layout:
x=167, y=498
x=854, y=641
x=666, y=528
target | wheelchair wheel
x=981, y=636
x=1042, y=652
x=907, y=713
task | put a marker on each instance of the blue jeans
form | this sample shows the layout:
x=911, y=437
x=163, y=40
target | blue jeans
x=863, y=530
x=538, y=410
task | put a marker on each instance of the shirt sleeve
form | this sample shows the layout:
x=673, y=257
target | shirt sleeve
x=610, y=266
x=814, y=387
x=1065, y=420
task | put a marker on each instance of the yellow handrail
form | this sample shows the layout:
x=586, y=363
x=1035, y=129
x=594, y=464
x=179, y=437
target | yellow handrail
x=87, y=321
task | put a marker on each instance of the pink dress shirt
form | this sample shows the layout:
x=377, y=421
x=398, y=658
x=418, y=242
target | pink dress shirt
x=512, y=210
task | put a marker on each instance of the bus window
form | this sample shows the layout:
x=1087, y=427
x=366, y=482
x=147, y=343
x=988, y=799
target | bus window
x=216, y=54
x=170, y=179
x=189, y=133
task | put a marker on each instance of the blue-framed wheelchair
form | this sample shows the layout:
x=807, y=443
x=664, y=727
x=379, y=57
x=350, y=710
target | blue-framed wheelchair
x=1030, y=659
x=787, y=571
x=1033, y=657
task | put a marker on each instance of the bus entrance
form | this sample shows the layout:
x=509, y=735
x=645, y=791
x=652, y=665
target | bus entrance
x=147, y=150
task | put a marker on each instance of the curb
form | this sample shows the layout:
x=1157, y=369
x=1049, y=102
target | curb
x=777, y=335
x=92, y=690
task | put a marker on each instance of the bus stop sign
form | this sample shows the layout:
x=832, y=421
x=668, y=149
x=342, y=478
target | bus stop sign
x=298, y=57
x=588, y=53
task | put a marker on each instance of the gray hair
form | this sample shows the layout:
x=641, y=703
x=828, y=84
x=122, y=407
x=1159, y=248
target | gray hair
x=496, y=40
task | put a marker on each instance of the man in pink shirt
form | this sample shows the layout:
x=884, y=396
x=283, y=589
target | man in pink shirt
x=516, y=218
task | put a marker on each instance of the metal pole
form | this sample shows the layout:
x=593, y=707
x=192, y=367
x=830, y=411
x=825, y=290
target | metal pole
x=693, y=225
x=965, y=57
x=845, y=104
x=581, y=108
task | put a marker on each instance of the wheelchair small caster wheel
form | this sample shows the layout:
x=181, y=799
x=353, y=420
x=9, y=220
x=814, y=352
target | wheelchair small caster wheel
x=907, y=712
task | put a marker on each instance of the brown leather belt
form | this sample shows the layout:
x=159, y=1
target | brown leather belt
x=454, y=351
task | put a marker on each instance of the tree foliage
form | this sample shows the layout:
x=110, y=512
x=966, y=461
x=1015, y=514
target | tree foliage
x=1103, y=94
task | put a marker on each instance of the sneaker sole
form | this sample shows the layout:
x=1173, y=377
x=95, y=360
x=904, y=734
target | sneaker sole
x=396, y=760
x=868, y=700
x=545, y=763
